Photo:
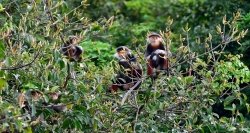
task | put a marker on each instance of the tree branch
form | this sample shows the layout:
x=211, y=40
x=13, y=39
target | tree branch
x=24, y=65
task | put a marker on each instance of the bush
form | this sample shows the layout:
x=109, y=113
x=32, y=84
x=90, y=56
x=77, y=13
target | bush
x=41, y=91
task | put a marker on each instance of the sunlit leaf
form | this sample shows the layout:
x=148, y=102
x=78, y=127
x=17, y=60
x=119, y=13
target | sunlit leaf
x=30, y=85
x=3, y=83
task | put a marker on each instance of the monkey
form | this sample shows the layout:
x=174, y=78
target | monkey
x=156, y=54
x=71, y=50
x=130, y=70
x=157, y=61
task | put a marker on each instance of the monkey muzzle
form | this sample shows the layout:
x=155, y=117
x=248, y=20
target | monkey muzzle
x=122, y=53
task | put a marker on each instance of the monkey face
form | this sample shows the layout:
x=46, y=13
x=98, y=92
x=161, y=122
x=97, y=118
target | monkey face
x=155, y=41
x=73, y=40
x=122, y=52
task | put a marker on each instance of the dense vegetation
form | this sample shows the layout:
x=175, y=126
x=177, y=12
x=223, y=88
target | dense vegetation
x=41, y=91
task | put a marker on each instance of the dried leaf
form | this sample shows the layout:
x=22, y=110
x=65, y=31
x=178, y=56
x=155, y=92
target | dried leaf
x=21, y=99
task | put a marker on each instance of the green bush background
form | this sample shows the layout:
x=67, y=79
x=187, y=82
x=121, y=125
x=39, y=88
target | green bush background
x=32, y=31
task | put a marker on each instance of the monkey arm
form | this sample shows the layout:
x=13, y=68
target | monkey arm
x=166, y=64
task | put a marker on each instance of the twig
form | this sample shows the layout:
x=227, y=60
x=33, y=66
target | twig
x=240, y=89
x=52, y=19
x=68, y=77
x=224, y=93
x=24, y=65
x=189, y=55
x=197, y=56
x=13, y=117
x=212, y=52
x=130, y=90
x=136, y=117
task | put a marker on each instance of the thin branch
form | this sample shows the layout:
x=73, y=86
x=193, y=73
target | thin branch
x=198, y=56
x=130, y=90
x=136, y=117
x=212, y=52
x=13, y=117
x=52, y=19
x=68, y=77
x=24, y=65
x=241, y=89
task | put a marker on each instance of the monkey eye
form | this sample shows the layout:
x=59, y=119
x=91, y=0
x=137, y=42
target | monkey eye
x=162, y=56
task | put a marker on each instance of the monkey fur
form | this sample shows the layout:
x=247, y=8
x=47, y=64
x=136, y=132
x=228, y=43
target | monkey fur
x=71, y=50
x=130, y=71
x=156, y=54
x=157, y=61
x=154, y=42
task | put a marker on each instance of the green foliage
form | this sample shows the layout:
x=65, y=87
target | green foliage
x=245, y=48
x=41, y=91
x=98, y=52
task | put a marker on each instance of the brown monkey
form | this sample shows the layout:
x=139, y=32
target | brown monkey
x=130, y=71
x=71, y=50
x=154, y=52
x=157, y=61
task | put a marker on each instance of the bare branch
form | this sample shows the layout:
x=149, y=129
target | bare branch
x=24, y=65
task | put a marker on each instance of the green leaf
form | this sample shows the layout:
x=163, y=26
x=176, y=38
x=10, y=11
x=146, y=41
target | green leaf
x=99, y=88
x=189, y=79
x=61, y=64
x=33, y=109
x=8, y=61
x=54, y=88
x=231, y=108
x=1, y=8
x=2, y=50
x=28, y=130
x=30, y=86
x=67, y=123
x=228, y=100
x=232, y=128
x=3, y=83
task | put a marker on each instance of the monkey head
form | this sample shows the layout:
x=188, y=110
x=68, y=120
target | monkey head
x=125, y=57
x=73, y=40
x=123, y=52
x=155, y=40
